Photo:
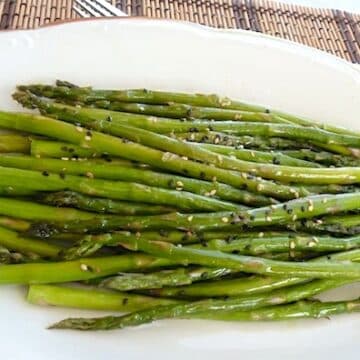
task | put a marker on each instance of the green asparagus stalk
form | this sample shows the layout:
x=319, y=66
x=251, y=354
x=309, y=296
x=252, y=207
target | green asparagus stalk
x=192, y=309
x=93, y=299
x=14, y=224
x=57, y=150
x=11, y=143
x=184, y=111
x=323, y=157
x=52, y=149
x=340, y=224
x=241, y=142
x=77, y=270
x=248, y=264
x=99, y=205
x=115, y=171
x=330, y=189
x=46, y=181
x=176, y=277
x=97, y=118
x=301, y=309
x=281, y=214
x=13, y=241
x=15, y=191
x=240, y=303
x=26, y=210
x=270, y=171
x=164, y=160
x=88, y=95
x=276, y=158
x=278, y=244
x=12, y=257
x=244, y=286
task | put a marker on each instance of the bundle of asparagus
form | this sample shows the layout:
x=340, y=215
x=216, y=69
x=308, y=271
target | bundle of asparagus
x=171, y=205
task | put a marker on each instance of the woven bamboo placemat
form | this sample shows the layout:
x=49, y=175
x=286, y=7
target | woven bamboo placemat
x=334, y=31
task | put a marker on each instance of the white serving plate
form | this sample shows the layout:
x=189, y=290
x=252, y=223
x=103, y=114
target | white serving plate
x=184, y=57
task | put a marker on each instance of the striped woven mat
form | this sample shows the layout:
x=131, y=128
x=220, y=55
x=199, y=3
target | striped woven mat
x=334, y=31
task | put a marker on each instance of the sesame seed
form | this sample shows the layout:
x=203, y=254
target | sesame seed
x=225, y=219
x=315, y=239
x=216, y=140
x=79, y=129
x=207, y=194
x=238, y=116
x=278, y=173
x=311, y=208
x=179, y=183
x=137, y=234
x=185, y=158
x=292, y=244
x=38, y=156
x=213, y=192
x=324, y=201
x=190, y=218
x=252, y=154
x=268, y=218
x=272, y=207
x=311, y=243
x=65, y=158
x=89, y=174
x=84, y=267
x=294, y=217
x=220, y=158
x=214, y=179
x=260, y=187
x=261, y=234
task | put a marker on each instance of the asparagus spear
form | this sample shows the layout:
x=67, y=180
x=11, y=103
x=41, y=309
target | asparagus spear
x=52, y=149
x=57, y=149
x=46, y=181
x=88, y=95
x=301, y=309
x=246, y=141
x=192, y=309
x=323, y=157
x=164, y=160
x=14, y=224
x=257, y=246
x=281, y=173
x=26, y=210
x=176, y=277
x=183, y=111
x=89, y=298
x=240, y=303
x=11, y=257
x=99, y=205
x=279, y=244
x=248, y=264
x=13, y=241
x=97, y=118
x=115, y=171
x=341, y=224
x=77, y=270
x=280, y=214
x=276, y=158
x=12, y=143
x=254, y=284
x=15, y=191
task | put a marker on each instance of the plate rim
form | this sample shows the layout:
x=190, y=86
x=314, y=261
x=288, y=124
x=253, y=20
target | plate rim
x=195, y=26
